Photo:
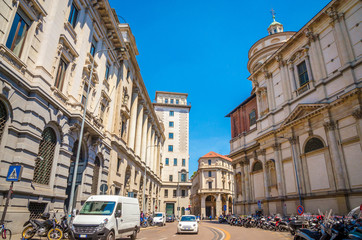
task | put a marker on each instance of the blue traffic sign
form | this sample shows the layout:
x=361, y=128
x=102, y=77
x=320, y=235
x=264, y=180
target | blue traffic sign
x=224, y=207
x=14, y=173
x=300, y=210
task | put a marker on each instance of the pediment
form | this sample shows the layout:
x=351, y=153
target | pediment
x=301, y=111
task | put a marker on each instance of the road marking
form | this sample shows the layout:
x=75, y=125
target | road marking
x=225, y=233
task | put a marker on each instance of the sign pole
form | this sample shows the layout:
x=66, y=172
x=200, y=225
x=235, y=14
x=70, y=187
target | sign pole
x=7, y=203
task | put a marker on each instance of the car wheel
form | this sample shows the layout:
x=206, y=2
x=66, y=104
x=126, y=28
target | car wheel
x=134, y=235
x=110, y=236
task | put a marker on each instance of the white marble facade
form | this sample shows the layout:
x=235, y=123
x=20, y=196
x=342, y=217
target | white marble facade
x=309, y=118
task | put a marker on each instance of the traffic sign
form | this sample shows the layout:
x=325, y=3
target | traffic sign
x=224, y=207
x=300, y=210
x=104, y=188
x=259, y=204
x=14, y=173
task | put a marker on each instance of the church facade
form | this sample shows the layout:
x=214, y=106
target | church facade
x=300, y=143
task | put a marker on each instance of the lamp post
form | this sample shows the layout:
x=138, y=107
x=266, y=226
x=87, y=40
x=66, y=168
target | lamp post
x=71, y=198
x=295, y=168
x=144, y=181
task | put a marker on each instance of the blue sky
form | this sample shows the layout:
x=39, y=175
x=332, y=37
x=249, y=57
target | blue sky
x=201, y=48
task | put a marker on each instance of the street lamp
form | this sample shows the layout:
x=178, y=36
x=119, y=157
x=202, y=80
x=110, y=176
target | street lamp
x=144, y=180
x=71, y=198
x=295, y=170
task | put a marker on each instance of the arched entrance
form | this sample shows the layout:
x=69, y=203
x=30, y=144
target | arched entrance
x=210, y=204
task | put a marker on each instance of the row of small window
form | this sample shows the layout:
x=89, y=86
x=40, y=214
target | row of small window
x=172, y=101
x=171, y=124
x=183, y=177
x=170, y=148
x=167, y=162
x=183, y=193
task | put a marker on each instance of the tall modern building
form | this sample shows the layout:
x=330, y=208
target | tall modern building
x=173, y=110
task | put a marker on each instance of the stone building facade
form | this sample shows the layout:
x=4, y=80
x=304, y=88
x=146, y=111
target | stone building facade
x=212, y=189
x=306, y=146
x=173, y=110
x=46, y=53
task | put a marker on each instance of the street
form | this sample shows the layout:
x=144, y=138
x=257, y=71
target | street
x=211, y=231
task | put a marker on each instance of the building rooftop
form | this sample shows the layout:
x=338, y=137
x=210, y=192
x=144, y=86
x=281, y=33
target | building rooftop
x=171, y=93
x=212, y=154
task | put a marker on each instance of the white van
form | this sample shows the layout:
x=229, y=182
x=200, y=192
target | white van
x=107, y=217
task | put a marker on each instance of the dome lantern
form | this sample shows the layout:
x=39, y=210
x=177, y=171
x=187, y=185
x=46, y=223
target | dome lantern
x=275, y=27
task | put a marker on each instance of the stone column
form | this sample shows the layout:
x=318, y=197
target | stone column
x=258, y=105
x=340, y=32
x=266, y=187
x=203, y=206
x=218, y=205
x=158, y=157
x=316, y=55
x=137, y=146
x=133, y=118
x=149, y=130
x=357, y=114
x=247, y=184
x=284, y=78
x=335, y=155
x=270, y=90
x=296, y=166
x=227, y=205
x=278, y=169
x=292, y=78
x=155, y=153
x=144, y=134
x=309, y=71
x=152, y=149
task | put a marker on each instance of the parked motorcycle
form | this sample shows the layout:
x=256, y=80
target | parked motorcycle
x=67, y=231
x=48, y=228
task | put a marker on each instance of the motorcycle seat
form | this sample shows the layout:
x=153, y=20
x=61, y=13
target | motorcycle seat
x=313, y=234
x=37, y=222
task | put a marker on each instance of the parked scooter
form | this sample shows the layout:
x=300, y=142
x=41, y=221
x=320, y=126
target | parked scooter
x=48, y=228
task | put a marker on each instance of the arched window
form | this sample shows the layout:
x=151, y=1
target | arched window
x=3, y=118
x=44, y=161
x=97, y=166
x=313, y=144
x=257, y=166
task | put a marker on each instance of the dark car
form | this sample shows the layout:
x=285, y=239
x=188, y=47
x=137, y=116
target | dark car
x=170, y=218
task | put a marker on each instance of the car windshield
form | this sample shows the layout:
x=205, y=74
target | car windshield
x=158, y=215
x=97, y=208
x=188, y=219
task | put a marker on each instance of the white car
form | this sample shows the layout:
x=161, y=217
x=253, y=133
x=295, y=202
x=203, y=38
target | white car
x=159, y=218
x=188, y=224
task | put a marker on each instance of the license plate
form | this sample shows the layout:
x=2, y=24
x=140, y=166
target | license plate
x=82, y=236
